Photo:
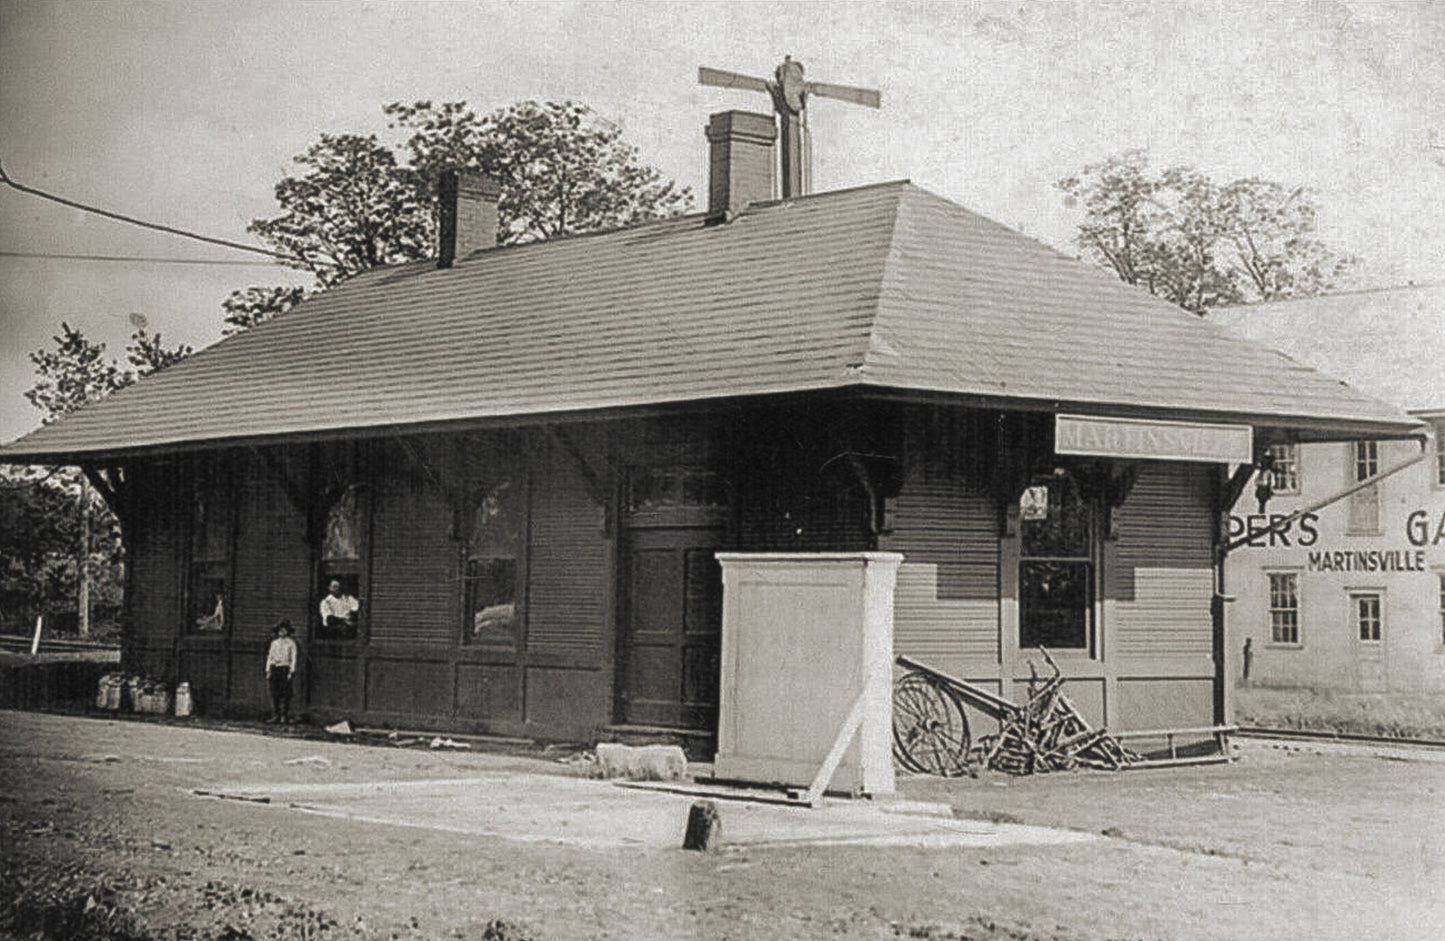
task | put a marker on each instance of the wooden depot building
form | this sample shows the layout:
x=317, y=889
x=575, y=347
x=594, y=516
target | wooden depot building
x=522, y=461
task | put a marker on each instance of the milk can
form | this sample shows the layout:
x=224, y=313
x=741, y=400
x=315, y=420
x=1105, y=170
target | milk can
x=183, y=699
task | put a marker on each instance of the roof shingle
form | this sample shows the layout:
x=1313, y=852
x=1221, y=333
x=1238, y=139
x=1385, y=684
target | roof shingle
x=885, y=287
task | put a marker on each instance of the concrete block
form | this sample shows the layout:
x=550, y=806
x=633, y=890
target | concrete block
x=641, y=762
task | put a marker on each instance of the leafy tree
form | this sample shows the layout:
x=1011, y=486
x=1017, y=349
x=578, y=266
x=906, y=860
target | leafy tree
x=40, y=512
x=39, y=537
x=72, y=374
x=1185, y=238
x=353, y=209
x=76, y=371
x=247, y=307
x=148, y=354
x=562, y=169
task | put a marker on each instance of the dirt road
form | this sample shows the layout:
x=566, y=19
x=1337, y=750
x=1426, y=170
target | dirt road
x=1280, y=844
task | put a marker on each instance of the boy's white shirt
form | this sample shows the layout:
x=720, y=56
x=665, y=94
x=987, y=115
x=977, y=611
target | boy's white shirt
x=281, y=653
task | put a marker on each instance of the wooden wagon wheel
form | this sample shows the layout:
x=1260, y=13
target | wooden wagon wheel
x=930, y=730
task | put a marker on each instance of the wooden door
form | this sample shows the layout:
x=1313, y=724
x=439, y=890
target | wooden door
x=670, y=628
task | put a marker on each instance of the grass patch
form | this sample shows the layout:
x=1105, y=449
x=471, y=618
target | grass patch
x=1381, y=714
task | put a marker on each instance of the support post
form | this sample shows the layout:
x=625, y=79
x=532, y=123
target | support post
x=82, y=603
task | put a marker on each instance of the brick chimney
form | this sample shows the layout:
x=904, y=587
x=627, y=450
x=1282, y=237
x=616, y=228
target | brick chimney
x=741, y=162
x=466, y=214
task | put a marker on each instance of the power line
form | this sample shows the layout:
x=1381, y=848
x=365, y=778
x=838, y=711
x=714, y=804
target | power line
x=141, y=259
x=5, y=178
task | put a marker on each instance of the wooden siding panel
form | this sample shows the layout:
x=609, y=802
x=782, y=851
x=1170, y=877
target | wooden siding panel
x=204, y=666
x=940, y=523
x=1165, y=703
x=569, y=594
x=567, y=702
x=154, y=542
x=415, y=579
x=1169, y=615
x=929, y=628
x=409, y=687
x=489, y=692
x=273, y=561
x=1167, y=521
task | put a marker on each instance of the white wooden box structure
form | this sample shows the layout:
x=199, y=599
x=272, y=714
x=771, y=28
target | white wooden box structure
x=807, y=639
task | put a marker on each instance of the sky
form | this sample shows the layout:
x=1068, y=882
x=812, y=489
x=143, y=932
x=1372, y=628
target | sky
x=188, y=113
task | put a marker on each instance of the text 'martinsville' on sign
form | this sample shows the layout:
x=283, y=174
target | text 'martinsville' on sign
x=1162, y=440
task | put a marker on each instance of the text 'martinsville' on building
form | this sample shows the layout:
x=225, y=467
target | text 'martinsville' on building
x=523, y=461
x=1348, y=596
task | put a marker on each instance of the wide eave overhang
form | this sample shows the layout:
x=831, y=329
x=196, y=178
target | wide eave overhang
x=884, y=291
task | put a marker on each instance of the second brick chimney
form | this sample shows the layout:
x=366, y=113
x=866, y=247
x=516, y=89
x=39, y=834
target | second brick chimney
x=466, y=214
x=741, y=162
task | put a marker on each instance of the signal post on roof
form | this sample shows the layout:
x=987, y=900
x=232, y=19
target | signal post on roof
x=790, y=95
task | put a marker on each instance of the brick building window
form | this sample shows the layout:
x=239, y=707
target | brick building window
x=1364, y=503
x=1441, y=576
x=1284, y=607
x=1439, y=424
x=1284, y=472
x=1366, y=608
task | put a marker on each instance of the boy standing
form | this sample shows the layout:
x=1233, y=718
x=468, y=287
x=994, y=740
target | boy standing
x=280, y=667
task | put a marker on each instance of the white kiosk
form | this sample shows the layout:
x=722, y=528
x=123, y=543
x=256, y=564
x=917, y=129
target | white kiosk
x=807, y=652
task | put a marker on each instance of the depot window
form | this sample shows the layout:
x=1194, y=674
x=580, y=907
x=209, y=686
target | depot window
x=496, y=545
x=1057, y=565
x=1284, y=607
x=213, y=525
x=1366, y=608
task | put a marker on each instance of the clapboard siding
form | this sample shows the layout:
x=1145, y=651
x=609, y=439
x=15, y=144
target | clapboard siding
x=415, y=577
x=1168, y=616
x=154, y=540
x=273, y=561
x=940, y=523
x=569, y=595
x=925, y=626
x=1166, y=522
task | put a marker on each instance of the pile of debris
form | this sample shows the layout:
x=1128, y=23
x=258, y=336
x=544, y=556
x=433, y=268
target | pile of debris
x=1048, y=734
x=931, y=734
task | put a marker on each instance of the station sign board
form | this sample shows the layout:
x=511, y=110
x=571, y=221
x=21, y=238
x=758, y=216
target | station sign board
x=1157, y=440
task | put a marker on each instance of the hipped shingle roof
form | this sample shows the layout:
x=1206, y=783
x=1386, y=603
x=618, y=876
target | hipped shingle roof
x=885, y=287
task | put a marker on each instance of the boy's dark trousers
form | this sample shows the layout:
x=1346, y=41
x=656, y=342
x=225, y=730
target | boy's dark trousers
x=280, y=680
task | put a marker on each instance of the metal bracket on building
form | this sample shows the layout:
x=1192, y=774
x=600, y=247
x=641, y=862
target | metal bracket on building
x=1283, y=523
x=867, y=476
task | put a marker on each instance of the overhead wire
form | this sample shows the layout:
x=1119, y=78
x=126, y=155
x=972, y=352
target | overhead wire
x=131, y=220
x=134, y=259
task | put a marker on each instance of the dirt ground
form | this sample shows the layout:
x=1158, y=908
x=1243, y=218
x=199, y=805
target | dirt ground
x=1282, y=843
